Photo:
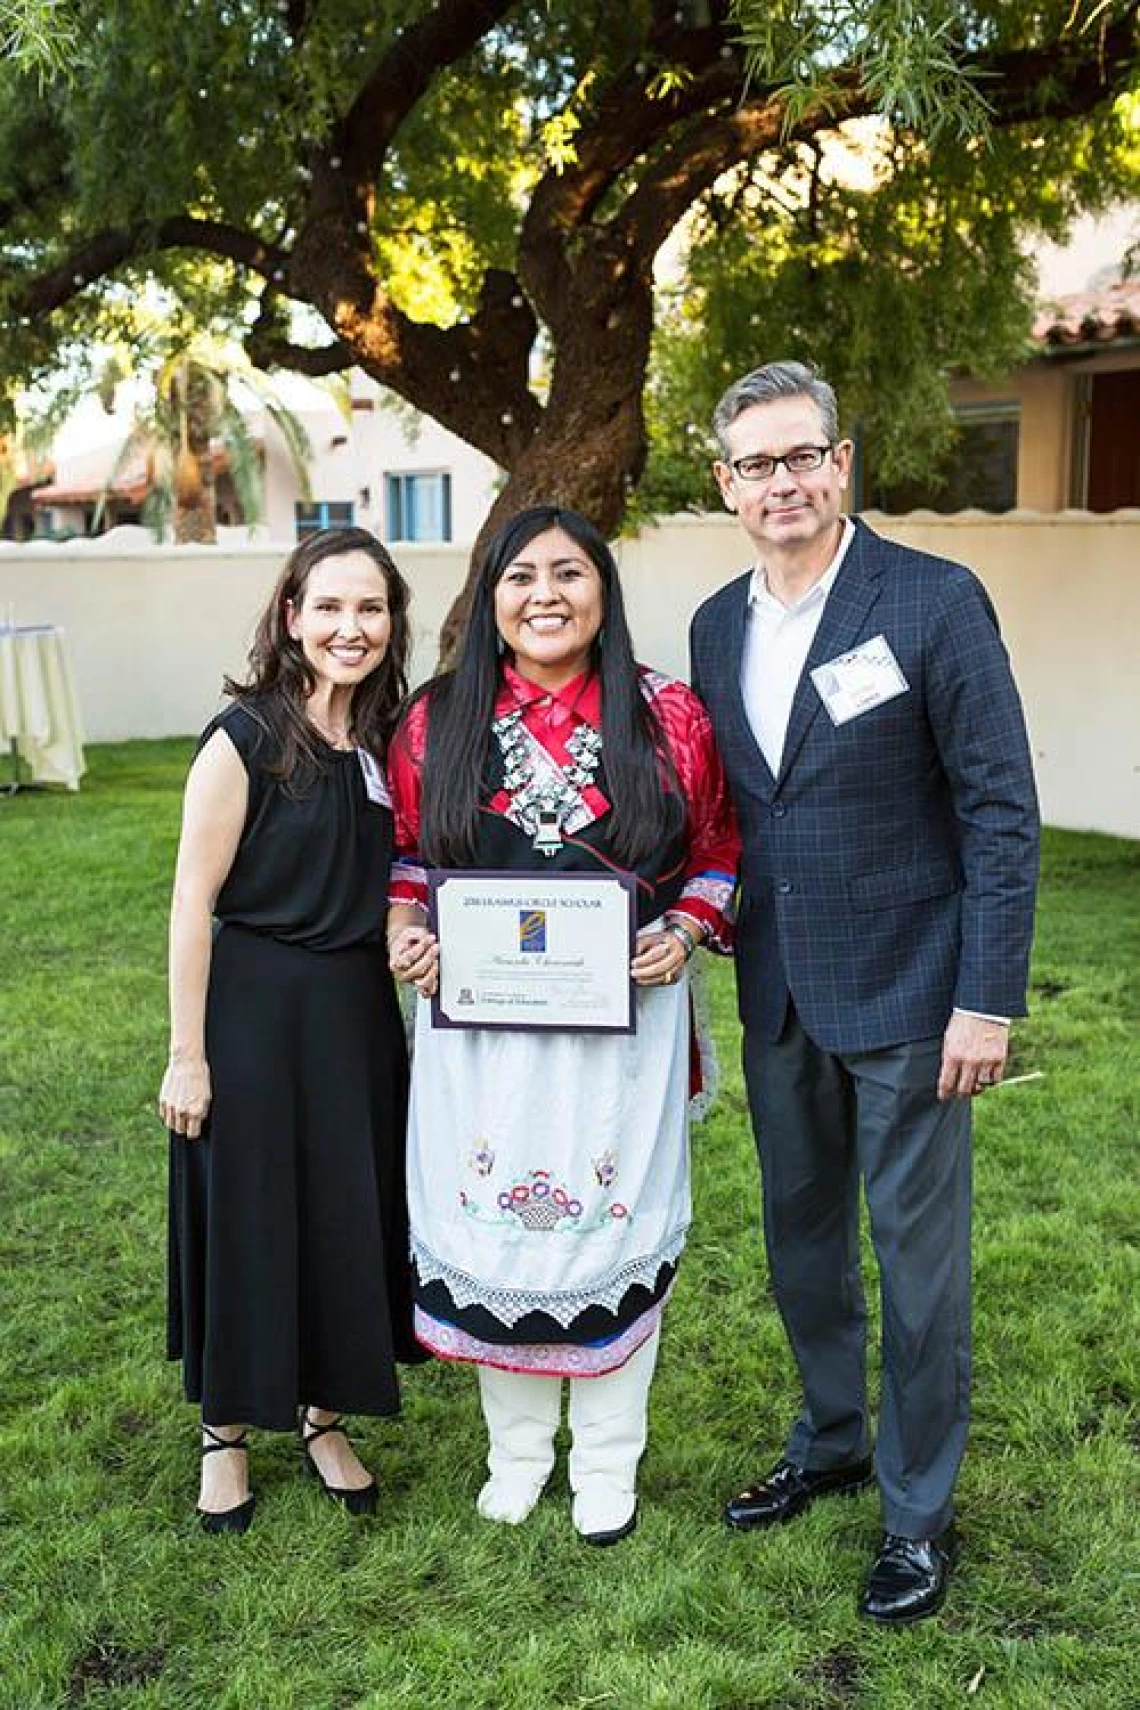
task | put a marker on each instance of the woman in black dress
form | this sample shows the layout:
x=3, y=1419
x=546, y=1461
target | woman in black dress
x=285, y=1092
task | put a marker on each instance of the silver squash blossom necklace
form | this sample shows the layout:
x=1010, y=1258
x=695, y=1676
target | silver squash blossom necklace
x=541, y=805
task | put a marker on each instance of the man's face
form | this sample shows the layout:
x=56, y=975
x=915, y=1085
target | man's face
x=793, y=511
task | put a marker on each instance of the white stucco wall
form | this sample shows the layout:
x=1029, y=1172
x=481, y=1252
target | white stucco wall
x=152, y=631
x=1067, y=591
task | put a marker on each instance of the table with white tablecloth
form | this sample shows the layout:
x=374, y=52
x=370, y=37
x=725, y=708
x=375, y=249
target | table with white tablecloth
x=39, y=712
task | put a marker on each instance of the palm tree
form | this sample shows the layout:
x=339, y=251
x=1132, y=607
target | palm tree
x=191, y=411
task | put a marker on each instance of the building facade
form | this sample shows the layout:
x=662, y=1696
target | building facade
x=1062, y=432
x=374, y=462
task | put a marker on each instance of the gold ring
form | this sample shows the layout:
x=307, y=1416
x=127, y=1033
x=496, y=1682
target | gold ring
x=670, y=977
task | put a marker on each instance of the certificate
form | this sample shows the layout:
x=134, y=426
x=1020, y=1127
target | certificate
x=524, y=950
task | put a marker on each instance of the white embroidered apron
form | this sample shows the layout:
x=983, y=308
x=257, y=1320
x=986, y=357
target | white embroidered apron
x=549, y=1171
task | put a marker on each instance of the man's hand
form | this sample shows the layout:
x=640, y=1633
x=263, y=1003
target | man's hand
x=974, y=1051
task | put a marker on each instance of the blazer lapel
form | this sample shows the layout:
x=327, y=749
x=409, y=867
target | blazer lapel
x=840, y=628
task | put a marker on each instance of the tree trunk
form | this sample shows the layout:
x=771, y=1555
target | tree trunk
x=195, y=510
x=589, y=446
x=591, y=468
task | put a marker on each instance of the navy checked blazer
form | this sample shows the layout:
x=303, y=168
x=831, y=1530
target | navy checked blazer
x=889, y=871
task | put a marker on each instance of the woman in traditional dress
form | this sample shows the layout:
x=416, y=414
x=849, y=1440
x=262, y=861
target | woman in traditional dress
x=286, y=1087
x=548, y=1170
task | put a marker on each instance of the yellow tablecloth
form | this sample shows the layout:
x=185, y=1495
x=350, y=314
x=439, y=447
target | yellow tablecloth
x=38, y=707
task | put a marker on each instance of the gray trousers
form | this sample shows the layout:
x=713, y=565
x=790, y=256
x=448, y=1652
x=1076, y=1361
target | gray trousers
x=824, y=1122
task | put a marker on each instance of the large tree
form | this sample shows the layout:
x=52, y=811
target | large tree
x=467, y=197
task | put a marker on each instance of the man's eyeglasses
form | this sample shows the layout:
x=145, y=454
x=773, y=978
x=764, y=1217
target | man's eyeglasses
x=801, y=461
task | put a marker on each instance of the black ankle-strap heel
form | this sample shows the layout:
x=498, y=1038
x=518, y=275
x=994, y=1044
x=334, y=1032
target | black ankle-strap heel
x=229, y=1519
x=362, y=1501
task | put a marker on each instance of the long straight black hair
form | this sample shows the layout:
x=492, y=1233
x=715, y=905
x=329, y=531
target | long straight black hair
x=462, y=707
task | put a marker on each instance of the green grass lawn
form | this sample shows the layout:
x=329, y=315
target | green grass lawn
x=110, y=1594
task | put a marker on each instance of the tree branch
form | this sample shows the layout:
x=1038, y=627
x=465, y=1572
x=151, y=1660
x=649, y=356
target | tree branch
x=298, y=17
x=472, y=377
x=696, y=159
x=1063, y=79
x=347, y=169
x=1059, y=80
x=267, y=351
x=109, y=250
x=625, y=125
x=625, y=121
x=228, y=243
x=419, y=51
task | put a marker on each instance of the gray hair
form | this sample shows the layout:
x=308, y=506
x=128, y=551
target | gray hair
x=777, y=380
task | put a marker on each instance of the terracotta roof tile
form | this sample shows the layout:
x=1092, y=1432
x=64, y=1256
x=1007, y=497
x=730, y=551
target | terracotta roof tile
x=131, y=486
x=1089, y=317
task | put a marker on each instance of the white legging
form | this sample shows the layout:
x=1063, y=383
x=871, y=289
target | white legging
x=609, y=1419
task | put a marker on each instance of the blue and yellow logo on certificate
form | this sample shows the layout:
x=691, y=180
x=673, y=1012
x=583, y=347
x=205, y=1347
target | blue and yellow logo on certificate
x=532, y=930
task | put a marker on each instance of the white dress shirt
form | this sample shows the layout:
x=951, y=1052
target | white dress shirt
x=777, y=640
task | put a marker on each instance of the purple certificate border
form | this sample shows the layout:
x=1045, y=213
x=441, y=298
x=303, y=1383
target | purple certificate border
x=439, y=876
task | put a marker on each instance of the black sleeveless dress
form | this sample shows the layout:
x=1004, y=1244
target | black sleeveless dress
x=288, y=1268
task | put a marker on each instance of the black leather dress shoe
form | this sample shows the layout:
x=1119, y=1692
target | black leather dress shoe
x=787, y=1490
x=909, y=1578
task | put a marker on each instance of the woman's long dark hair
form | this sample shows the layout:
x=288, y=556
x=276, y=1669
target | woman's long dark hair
x=281, y=679
x=462, y=705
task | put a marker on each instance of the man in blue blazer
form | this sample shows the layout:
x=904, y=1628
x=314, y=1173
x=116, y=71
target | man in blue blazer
x=877, y=754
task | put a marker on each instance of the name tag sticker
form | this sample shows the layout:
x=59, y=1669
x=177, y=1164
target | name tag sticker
x=374, y=780
x=855, y=682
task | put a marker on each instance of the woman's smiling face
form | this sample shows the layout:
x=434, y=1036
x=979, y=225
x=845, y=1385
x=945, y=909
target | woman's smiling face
x=549, y=607
x=342, y=621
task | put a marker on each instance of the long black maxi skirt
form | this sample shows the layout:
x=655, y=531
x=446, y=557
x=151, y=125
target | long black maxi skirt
x=288, y=1250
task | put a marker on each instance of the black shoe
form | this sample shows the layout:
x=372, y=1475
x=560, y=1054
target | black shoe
x=228, y=1519
x=362, y=1501
x=614, y=1535
x=787, y=1491
x=909, y=1578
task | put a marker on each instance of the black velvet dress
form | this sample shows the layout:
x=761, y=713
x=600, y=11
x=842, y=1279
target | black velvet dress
x=288, y=1267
